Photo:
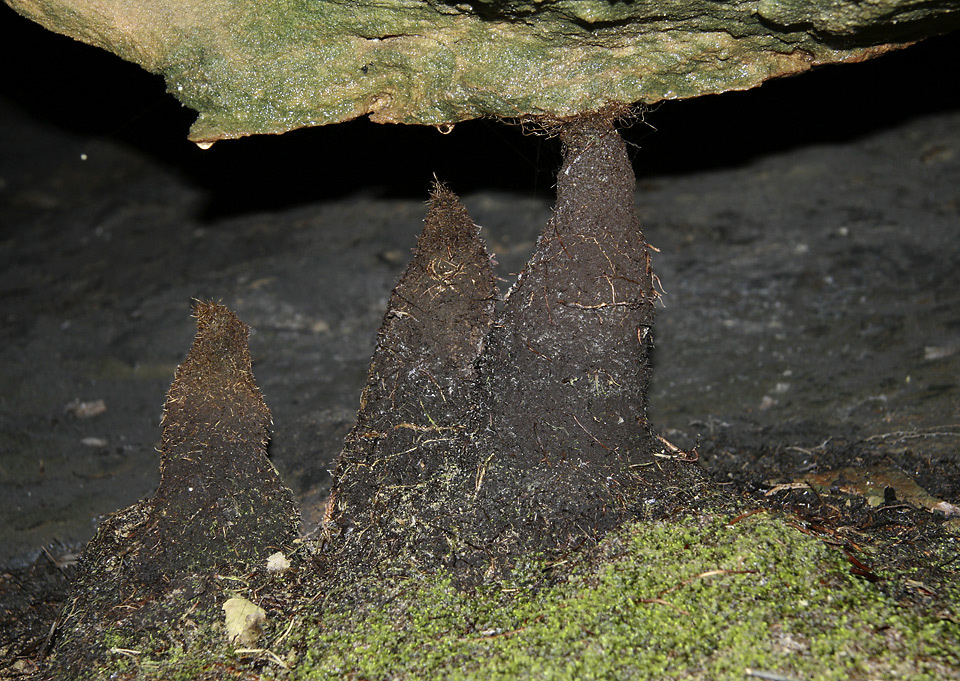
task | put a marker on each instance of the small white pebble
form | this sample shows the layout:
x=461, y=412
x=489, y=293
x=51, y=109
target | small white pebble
x=278, y=562
x=947, y=509
x=86, y=410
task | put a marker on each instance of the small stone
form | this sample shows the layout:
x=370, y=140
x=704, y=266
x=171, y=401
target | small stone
x=277, y=562
x=86, y=410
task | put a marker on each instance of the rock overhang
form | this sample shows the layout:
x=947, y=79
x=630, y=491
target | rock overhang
x=267, y=68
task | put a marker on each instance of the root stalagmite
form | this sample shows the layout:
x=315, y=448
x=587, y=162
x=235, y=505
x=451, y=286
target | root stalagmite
x=483, y=436
x=220, y=504
x=480, y=438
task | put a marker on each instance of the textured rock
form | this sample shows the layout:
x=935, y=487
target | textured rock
x=254, y=67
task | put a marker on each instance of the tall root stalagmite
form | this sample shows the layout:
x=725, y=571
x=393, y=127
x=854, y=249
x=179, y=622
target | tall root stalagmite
x=478, y=441
x=408, y=462
x=564, y=375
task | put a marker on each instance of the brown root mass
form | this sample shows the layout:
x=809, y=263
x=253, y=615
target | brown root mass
x=566, y=369
x=217, y=488
x=401, y=475
x=568, y=448
x=479, y=442
x=220, y=505
x=481, y=437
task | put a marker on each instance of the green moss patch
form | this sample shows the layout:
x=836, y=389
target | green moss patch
x=695, y=598
x=707, y=596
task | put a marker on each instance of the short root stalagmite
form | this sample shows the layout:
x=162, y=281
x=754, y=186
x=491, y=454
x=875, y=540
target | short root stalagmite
x=220, y=505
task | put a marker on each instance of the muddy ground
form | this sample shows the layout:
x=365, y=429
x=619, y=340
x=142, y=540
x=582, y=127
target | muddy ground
x=808, y=249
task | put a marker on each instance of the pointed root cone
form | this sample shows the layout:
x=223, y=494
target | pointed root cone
x=220, y=500
x=220, y=505
x=566, y=369
x=436, y=320
x=410, y=457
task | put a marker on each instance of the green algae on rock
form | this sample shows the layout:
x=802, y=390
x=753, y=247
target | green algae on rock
x=251, y=67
